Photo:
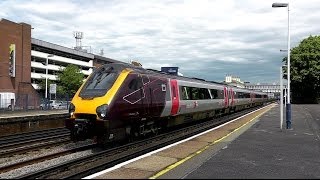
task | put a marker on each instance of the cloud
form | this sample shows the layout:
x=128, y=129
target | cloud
x=204, y=38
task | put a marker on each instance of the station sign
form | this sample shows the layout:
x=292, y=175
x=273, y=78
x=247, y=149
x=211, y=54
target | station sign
x=53, y=88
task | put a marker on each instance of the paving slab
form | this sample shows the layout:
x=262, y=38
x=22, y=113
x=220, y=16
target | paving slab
x=152, y=163
x=183, y=150
x=126, y=173
x=266, y=151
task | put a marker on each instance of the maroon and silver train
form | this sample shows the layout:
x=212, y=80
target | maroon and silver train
x=120, y=101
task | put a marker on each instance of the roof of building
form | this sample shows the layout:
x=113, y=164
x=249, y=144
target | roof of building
x=71, y=51
x=60, y=48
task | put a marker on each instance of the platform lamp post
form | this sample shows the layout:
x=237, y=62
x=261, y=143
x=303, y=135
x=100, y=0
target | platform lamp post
x=288, y=108
x=46, y=94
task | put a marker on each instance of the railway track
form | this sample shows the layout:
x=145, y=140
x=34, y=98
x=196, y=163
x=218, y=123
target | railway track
x=14, y=144
x=16, y=165
x=81, y=167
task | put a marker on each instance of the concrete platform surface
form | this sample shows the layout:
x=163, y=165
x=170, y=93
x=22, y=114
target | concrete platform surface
x=265, y=151
x=164, y=162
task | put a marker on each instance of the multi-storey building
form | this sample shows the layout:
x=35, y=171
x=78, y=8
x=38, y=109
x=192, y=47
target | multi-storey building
x=58, y=58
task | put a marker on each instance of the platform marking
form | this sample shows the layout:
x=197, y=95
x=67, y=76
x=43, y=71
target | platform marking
x=206, y=147
x=171, y=145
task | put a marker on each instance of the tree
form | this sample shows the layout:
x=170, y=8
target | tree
x=305, y=70
x=69, y=80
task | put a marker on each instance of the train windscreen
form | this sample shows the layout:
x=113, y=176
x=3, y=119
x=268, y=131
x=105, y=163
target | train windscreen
x=99, y=82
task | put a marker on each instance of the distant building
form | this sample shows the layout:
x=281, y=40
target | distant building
x=273, y=89
x=234, y=81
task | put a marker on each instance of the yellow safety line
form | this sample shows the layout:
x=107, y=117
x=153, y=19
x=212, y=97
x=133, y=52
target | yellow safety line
x=203, y=149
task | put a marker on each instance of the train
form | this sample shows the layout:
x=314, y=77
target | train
x=121, y=101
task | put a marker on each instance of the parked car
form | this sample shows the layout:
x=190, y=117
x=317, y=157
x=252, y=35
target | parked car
x=63, y=105
x=53, y=104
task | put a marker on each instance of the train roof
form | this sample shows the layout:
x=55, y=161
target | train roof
x=171, y=76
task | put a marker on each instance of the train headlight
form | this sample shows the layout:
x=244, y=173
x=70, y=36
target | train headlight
x=102, y=111
x=72, y=108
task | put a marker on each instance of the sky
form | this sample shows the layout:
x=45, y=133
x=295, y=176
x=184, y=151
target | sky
x=207, y=39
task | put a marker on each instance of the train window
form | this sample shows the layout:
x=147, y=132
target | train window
x=220, y=94
x=214, y=93
x=246, y=95
x=194, y=93
x=184, y=93
x=204, y=93
x=103, y=79
x=188, y=89
x=99, y=82
x=135, y=84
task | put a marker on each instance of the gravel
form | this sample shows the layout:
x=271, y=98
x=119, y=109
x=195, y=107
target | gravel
x=42, y=152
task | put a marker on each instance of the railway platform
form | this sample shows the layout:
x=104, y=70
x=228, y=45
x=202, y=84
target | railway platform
x=14, y=116
x=14, y=122
x=252, y=147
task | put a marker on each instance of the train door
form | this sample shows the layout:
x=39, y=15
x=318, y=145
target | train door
x=174, y=96
x=231, y=97
x=226, y=98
